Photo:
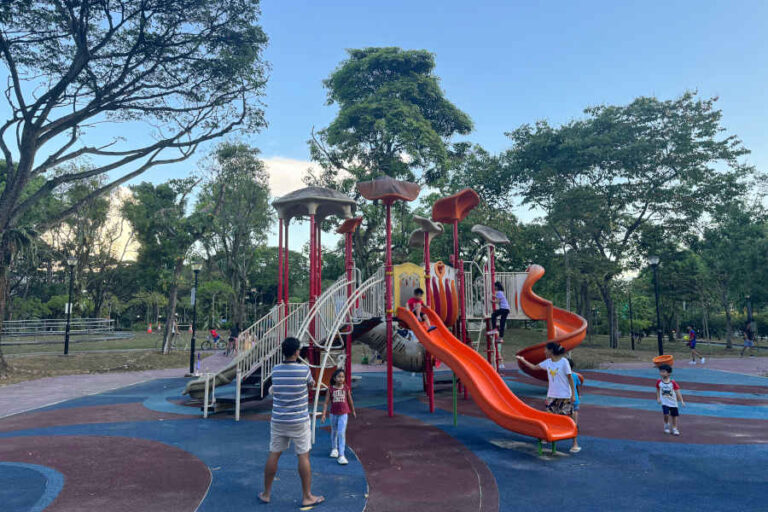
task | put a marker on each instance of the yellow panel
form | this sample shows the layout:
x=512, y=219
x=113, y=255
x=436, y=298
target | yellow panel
x=406, y=276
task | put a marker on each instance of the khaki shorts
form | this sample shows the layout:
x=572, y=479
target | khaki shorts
x=281, y=435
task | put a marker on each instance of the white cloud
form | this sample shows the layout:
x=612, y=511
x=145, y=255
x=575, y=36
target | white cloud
x=287, y=174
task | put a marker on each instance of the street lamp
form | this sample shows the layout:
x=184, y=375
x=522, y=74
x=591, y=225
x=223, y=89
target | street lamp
x=71, y=261
x=196, y=269
x=654, y=262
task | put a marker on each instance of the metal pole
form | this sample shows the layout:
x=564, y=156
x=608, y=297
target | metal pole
x=194, y=329
x=350, y=267
x=280, y=261
x=388, y=296
x=286, y=296
x=658, y=309
x=69, y=309
x=429, y=370
x=312, y=285
x=455, y=401
x=631, y=322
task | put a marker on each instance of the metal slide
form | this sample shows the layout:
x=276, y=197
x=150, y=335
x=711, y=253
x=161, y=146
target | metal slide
x=487, y=388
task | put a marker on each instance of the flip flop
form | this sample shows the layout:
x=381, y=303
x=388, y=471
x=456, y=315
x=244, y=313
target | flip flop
x=318, y=501
x=262, y=500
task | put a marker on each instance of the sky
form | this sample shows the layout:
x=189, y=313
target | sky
x=506, y=63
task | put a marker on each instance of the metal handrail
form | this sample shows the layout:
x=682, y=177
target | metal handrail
x=367, y=289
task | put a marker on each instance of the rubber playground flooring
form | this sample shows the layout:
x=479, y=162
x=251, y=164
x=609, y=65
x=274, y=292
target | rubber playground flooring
x=140, y=448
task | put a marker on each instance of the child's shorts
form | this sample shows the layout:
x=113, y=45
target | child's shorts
x=749, y=343
x=560, y=406
x=672, y=411
x=692, y=344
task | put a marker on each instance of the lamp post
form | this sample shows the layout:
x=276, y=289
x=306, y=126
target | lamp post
x=71, y=262
x=654, y=261
x=196, y=269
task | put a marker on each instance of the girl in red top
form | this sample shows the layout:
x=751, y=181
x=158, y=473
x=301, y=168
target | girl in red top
x=340, y=397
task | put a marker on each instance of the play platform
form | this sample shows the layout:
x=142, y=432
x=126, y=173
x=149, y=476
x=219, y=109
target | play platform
x=143, y=447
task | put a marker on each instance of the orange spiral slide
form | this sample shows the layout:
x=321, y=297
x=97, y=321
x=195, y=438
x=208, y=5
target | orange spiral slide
x=566, y=328
x=487, y=388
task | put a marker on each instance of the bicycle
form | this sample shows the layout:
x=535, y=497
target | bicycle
x=211, y=344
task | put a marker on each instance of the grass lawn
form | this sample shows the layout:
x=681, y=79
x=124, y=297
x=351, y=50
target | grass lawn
x=140, y=340
x=594, y=351
x=85, y=358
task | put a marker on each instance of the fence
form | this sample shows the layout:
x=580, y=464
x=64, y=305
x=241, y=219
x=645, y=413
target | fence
x=52, y=327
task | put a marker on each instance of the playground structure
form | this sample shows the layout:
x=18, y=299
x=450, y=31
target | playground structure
x=352, y=309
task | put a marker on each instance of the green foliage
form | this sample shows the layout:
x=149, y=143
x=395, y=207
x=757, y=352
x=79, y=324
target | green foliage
x=31, y=308
x=393, y=120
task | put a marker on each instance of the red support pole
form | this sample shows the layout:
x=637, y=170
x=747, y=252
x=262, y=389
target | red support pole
x=312, y=285
x=388, y=296
x=460, y=275
x=429, y=367
x=350, y=268
x=280, y=262
x=319, y=246
x=285, y=268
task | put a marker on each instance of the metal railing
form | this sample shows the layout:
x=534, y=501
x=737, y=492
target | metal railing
x=56, y=326
x=315, y=326
x=370, y=294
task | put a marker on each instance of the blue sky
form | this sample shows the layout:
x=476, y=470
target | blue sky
x=506, y=63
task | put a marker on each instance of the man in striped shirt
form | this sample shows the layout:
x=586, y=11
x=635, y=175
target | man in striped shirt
x=290, y=421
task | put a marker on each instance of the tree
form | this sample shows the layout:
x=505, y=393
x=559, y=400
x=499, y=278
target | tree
x=651, y=162
x=240, y=183
x=191, y=70
x=393, y=120
x=166, y=233
x=733, y=248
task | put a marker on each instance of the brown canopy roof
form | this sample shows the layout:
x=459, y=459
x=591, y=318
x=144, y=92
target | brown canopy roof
x=426, y=226
x=456, y=207
x=388, y=189
x=349, y=225
x=490, y=235
x=322, y=202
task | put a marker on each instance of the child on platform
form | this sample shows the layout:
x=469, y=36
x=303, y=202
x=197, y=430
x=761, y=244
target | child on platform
x=415, y=304
x=562, y=389
x=667, y=394
x=340, y=397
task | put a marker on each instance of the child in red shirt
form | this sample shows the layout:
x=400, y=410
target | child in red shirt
x=415, y=304
x=341, y=406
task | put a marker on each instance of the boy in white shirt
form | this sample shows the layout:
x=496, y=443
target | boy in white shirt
x=668, y=394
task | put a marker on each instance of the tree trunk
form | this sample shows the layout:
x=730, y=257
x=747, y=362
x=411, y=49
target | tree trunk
x=3, y=287
x=610, y=306
x=170, y=320
x=728, y=324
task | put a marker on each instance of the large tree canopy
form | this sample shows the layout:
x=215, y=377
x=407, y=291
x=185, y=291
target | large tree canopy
x=190, y=69
x=605, y=180
x=393, y=119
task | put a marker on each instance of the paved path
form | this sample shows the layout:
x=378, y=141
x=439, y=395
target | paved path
x=33, y=394
x=746, y=365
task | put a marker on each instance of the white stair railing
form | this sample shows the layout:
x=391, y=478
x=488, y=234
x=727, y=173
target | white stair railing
x=367, y=301
x=323, y=311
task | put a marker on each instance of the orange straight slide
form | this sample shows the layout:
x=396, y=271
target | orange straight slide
x=566, y=328
x=487, y=388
